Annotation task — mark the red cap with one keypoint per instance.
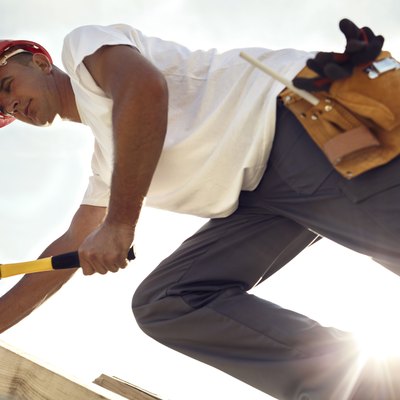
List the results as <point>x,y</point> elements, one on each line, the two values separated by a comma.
<point>26,45</point>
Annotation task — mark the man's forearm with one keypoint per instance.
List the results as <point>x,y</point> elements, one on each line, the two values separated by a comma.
<point>33,289</point>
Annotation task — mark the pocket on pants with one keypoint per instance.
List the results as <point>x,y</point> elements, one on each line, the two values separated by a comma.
<point>295,157</point>
<point>372,182</point>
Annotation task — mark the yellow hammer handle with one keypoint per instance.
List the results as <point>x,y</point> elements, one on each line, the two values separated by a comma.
<point>61,261</point>
<point>27,267</point>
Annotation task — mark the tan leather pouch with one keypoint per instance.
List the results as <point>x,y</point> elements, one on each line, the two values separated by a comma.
<point>357,123</point>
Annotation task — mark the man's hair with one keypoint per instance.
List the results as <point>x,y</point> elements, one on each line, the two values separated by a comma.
<point>22,58</point>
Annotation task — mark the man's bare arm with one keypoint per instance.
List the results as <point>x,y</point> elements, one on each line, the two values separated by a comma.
<point>33,289</point>
<point>140,103</point>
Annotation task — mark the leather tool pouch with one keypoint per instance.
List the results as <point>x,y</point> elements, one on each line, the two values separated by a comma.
<point>357,123</point>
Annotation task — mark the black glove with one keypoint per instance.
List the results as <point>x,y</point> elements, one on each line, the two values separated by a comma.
<point>362,47</point>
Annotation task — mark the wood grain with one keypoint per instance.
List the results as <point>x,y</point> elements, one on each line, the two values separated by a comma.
<point>22,378</point>
<point>126,389</point>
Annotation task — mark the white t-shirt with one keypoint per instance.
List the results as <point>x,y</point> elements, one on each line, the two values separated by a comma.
<point>220,125</point>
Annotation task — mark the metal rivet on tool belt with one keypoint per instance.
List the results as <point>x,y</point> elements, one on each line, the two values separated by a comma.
<point>314,117</point>
<point>288,99</point>
<point>328,108</point>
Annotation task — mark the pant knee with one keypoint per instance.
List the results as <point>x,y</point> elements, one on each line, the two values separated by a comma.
<point>142,308</point>
<point>157,313</point>
<point>163,313</point>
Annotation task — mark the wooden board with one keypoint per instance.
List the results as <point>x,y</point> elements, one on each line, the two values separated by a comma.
<point>22,378</point>
<point>126,389</point>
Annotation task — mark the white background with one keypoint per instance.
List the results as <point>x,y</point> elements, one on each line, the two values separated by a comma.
<point>88,328</point>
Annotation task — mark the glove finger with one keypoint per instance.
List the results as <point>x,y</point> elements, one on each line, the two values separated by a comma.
<point>368,54</point>
<point>318,63</point>
<point>340,58</point>
<point>316,66</point>
<point>366,34</point>
<point>349,29</point>
<point>335,71</point>
<point>355,46</point>
<point>312,84</point>
<point>378,41</point>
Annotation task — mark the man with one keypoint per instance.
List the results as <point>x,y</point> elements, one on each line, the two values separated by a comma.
<point>195,132</point>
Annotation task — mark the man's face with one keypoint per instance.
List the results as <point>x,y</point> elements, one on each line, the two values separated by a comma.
<point>28,91</point>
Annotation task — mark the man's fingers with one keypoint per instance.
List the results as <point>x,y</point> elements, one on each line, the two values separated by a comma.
<point>92,268</point>
<point>101,263</point>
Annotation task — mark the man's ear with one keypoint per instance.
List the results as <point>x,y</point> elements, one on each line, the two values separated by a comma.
<point>39,60</point>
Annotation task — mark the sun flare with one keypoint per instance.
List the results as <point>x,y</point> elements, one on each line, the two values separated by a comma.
<point>380,342</point>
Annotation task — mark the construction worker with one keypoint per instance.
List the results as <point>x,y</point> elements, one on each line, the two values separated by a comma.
<point>202,133</point>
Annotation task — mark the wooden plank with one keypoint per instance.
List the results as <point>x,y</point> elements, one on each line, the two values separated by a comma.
<point>22,378</point>
<point>125,389</point>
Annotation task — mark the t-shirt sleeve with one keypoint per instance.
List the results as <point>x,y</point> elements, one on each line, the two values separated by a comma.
<point>97,192</point>
<point>86,40</point>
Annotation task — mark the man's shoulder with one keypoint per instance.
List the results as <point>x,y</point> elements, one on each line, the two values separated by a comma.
<point>86,39</point>
<point>99,32</point>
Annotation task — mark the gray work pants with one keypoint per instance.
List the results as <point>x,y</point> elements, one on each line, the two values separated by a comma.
<point>196,301</point>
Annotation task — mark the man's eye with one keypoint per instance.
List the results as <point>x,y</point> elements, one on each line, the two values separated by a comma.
<point>7,88</point>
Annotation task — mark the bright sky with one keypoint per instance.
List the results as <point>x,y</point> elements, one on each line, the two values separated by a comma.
<point>88,328</point>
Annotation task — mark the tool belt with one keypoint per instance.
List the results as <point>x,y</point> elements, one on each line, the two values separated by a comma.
<point>357,122</point>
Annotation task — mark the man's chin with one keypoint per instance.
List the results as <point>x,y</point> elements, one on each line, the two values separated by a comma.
<point>42,122</point>
<point>39,124</point>
<point>45,124</point>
